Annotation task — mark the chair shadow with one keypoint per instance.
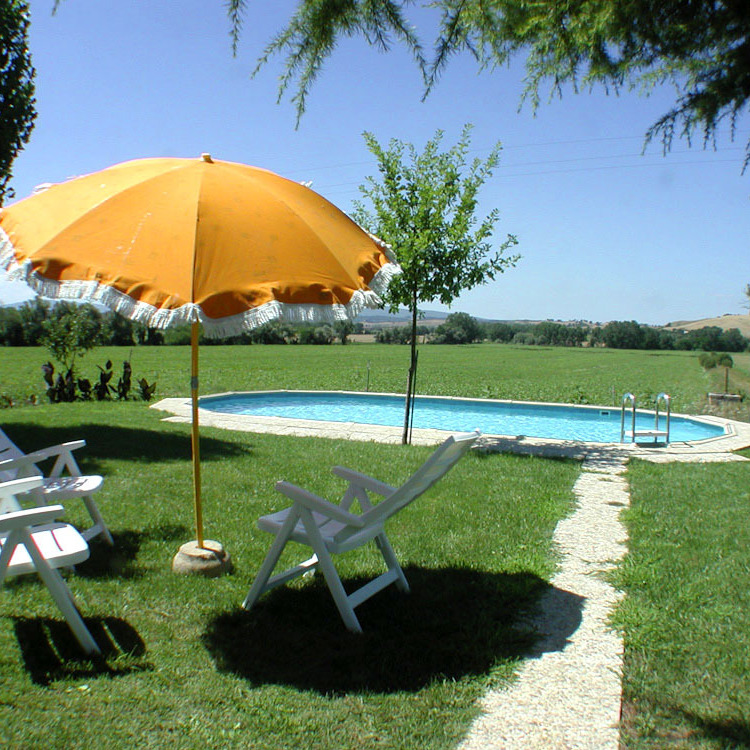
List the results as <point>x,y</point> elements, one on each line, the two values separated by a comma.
<point>728,732</point>
<point>113,442</point>
<point>118,560</point>
<point>50,651</point>
<point>454,623</point>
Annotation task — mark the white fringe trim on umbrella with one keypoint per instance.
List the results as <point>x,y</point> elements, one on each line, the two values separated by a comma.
<point>154,317</point>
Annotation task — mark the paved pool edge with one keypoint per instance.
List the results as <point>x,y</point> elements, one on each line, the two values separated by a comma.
<point>737,438</point>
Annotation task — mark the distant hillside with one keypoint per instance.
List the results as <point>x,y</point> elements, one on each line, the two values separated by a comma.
<point>725,322</point>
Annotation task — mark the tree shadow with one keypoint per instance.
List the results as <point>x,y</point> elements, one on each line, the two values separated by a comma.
<point>454,623</point>
<point>50,651</point>
<point>113,442</point>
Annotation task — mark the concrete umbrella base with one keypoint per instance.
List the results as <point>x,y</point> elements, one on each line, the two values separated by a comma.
<point>211,560</point>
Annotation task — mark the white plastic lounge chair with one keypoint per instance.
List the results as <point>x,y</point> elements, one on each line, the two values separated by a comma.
<point>332,529</point>
<point>31,541</point>
<point>57,487</point>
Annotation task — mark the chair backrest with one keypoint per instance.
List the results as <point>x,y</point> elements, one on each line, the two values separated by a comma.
<point>431,471</point>
<point>8,449</point>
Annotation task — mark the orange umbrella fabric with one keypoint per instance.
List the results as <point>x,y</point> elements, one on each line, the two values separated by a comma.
<point>212,243</point>
<point>167,241</point>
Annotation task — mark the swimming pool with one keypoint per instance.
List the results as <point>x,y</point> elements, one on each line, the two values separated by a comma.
<point>556,421</point>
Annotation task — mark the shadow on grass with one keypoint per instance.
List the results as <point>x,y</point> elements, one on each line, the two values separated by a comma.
<point>50,651</point>
<point>729,732</point>
<point>118,561</point>
<point>112,442</point>
<point>455,623</point>
<point>677,727</point>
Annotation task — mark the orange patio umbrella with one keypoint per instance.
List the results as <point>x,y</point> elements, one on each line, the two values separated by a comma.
<point>217,244</point>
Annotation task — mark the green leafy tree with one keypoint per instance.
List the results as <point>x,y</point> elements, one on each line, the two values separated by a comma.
<point>459,328</point>
<point>343,329</point>
<point>33,314</point>
<point>16,88</point>
<point>424,206</point>
<point>69,332</point>
<point>701,47</point>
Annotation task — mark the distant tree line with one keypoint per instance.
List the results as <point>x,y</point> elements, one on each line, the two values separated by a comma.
<point>461,328</point>
<point>32,323</point>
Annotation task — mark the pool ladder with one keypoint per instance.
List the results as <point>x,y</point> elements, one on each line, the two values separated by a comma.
<point>654,434</point>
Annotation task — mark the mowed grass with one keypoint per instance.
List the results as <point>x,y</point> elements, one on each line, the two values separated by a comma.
<point>593,376</point>
<point>686,613</point>
<point>186,667</point>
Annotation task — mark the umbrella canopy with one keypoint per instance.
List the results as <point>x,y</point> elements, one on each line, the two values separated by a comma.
<point>167,241</point>
<point>213,243</point>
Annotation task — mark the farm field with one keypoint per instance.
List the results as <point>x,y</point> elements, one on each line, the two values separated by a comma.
<point>589,376</point>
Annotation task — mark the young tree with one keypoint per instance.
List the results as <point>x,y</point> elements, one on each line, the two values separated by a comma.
<point>424,206</point>
<point>16,87</point>
<point>701,47</point>
<point>70,331</point>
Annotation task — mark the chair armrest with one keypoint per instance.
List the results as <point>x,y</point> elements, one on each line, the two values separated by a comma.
<point>319,504</point>
<point>32,517</point>
<point>21,462</point>
<point>362,480</point>
<point>63,455</point>
<point>56,450</point>
<point>19,486</point>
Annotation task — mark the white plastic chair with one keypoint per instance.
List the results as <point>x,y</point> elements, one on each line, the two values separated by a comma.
<point>330,529</point>
<point>31,541</point>
<point>58,486</point>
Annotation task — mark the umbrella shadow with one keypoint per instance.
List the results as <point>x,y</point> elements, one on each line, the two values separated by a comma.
<point>50,651</point>
<point>455,623</point>
<point>113,442</point>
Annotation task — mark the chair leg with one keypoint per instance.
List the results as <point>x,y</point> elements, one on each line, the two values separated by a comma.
<point>325,563</point>
<point>274,553</point>
<point>62,596</point>
<point>99,527</point>
<point>382,543</point>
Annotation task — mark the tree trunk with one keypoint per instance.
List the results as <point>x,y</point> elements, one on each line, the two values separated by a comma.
<point>412,372</point>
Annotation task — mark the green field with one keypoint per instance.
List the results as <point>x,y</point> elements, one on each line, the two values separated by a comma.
<point>593,376</point>
<point>186,667</point>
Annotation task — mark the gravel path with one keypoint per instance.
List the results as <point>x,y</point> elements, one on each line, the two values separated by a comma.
<point>568,694</point>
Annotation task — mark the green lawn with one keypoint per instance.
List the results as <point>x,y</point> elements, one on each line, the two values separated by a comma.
<point>686,615</point>
<point>594,376</point>
<point>186,667</point>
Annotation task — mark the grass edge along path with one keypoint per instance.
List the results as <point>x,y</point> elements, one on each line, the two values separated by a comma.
<point>188,668</point>
<point>686,611</point>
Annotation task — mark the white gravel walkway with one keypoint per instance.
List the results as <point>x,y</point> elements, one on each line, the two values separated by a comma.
<point>568,695</point>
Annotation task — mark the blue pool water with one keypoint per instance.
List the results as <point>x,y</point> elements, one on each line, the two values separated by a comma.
<point>589,424</point>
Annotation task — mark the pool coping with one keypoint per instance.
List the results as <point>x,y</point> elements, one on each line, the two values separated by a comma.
<point>737,434</point>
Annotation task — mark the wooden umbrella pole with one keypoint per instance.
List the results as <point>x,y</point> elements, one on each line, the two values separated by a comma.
<point>194,332</point>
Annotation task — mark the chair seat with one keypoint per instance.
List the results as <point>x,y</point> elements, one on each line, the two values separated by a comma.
<point>328,528</point>
<point>60,544</point>
<point>66,488</point>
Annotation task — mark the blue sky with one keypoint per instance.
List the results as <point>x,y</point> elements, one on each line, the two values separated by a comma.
<point>605,231</point>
